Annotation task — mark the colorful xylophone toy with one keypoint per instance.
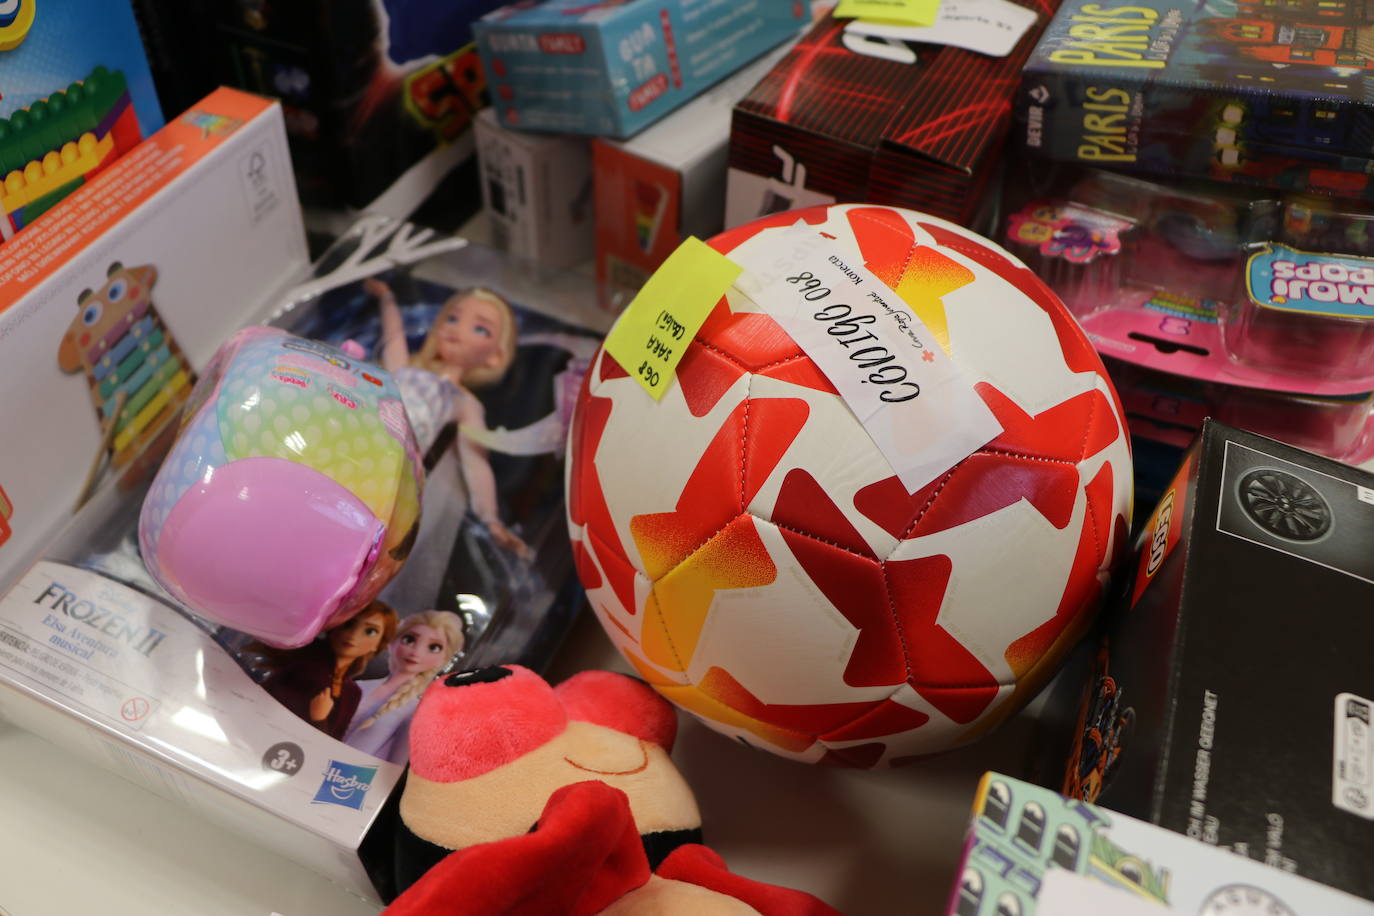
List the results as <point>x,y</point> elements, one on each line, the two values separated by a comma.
<point>137,373</point>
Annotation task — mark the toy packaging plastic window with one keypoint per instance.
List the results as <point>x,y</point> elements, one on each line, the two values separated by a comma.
<point>309,735</point>
<point>1225,303</point>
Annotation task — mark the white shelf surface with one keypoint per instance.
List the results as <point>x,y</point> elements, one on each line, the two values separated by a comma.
<point>78,839</point>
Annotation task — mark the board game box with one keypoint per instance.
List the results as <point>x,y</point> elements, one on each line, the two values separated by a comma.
<point>899,116</point>
<point>1275,93</point>
<point>1032,851</point>
<point>369,87</point>
<point>613,68</point>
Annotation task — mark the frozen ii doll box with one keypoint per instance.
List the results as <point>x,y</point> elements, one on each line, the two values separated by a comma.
<point>298,746</point>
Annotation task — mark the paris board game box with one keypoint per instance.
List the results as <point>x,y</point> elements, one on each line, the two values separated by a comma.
<point>1271,94</point>
<point>1231,699</point>
<point>97,657</point>
<point>901,115</point>
<point>1030,850</point>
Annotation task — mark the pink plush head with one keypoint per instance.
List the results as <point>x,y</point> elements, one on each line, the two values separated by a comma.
<point>622,703</point>
<point>474,722</point>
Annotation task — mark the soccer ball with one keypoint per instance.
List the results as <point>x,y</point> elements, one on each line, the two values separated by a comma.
<point>755,557</point>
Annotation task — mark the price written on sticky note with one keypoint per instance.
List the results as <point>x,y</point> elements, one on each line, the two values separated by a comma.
<point>651,337</point>
<point>905,12</point>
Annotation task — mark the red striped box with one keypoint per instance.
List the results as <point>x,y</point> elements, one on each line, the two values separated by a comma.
<point>833,123</point>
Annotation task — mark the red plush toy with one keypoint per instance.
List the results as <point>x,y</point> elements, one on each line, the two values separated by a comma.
<point>525,798</point>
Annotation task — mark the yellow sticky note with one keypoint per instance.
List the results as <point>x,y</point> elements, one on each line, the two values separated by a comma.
<point>651,336</point>
<point>905,12</point>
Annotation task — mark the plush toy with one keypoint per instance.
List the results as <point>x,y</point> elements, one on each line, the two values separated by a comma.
<point>526,798</point>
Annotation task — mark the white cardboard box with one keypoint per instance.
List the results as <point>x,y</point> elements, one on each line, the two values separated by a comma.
<point>664,184</point>
<point>178,241</point>
<point>132,283</point>
<point>1031,852</point>
<point>537,193</point>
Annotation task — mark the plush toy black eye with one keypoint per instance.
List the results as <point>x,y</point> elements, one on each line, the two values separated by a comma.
<point>477,676</point>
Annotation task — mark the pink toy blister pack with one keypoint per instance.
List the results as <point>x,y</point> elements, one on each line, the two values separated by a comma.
<point>1256,311</point>
<point>1304,313</point>
<point>291,495</point>
<point>1170,408</point>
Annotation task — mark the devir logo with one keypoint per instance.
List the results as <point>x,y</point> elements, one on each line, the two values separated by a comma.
<point>345,784</point>
<point>1159,537</point>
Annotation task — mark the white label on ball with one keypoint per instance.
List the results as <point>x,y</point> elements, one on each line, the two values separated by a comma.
<point>915,402</point>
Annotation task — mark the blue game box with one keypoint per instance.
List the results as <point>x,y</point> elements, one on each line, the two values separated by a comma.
<point>614,67</point>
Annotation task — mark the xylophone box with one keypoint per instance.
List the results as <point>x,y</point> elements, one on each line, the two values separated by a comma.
<point>114,299</point>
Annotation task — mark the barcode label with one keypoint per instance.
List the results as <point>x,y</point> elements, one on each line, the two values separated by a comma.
<point>1352,783</point>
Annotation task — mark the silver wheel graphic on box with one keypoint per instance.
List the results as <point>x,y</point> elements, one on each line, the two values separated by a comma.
<point>1284,505</point>
<point>1243,900</point>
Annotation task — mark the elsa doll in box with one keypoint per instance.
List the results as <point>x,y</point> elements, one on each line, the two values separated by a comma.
<point>470,344</point>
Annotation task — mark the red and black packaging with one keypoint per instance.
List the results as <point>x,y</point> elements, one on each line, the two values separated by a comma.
<point>921,126</point>
<point>369,88</point>
<point>1233,692</point>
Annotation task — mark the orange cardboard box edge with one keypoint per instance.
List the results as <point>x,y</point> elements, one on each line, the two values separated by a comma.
<point>192,136</point>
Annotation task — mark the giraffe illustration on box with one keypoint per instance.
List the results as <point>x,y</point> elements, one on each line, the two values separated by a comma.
<point>137,374</point>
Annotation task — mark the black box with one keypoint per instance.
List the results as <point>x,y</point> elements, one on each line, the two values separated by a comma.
<point>1233,692</point>
<point>369,88</point>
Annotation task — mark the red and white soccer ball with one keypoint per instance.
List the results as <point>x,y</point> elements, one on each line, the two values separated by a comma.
<point>757,561</point>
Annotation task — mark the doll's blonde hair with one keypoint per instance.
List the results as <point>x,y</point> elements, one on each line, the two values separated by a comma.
<point>428,355</point>
<point>447,623</point>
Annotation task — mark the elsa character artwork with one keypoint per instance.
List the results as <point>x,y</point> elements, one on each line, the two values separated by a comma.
<point>470,344</point>
<point>423,644</point>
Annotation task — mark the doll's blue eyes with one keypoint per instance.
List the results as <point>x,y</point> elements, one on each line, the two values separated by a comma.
<point>409,640</point>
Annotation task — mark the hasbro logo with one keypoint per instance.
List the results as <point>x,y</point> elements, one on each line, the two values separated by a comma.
<point>345,784</point>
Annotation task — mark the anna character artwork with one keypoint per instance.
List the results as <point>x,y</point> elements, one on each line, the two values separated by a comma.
<point>316,681</point>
